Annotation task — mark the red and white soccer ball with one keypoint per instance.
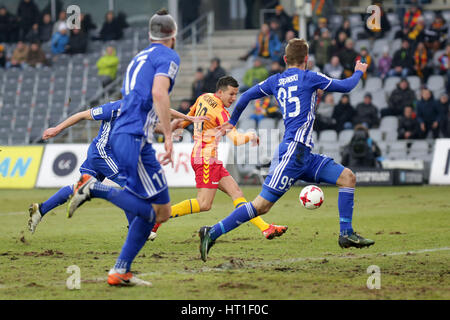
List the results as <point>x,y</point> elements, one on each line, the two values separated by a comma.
<point>311,197</point>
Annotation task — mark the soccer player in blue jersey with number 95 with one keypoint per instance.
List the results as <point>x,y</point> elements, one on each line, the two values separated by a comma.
<point>296,94</point>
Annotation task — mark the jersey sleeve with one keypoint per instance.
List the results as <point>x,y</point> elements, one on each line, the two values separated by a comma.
<point>319,81</point>
<point>105,111</point>
<point>168,66</point>
<point>266,86</point>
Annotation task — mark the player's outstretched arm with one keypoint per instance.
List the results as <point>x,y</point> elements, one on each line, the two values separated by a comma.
<point>178,115</point>
<point>249,95</point>
<point>72,120</point>
<point>350,83</point>
<point>161,102</point>
<point>243,138</point>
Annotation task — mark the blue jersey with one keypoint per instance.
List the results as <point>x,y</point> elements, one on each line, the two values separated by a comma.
<point>106,113</point>
<point>137,115</point>
<point>296,94</point>
<point>100,161</point>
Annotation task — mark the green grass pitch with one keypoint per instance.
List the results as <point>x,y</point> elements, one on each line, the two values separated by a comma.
<point>411,227</point>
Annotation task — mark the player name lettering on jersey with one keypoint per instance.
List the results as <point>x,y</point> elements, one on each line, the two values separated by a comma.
<point>212,103</point>
<point>292,78</point>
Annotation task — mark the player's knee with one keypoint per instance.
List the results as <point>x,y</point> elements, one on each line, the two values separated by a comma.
<point>163,214</point>
<point>349,178</point>
<point>205,205</point>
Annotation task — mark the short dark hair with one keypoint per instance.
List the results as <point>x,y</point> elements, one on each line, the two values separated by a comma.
<point>224,82</point>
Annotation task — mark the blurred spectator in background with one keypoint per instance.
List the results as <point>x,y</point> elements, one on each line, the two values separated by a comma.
<point>215,72</point>
<point>444,65</point>
<point>445,109</point>
<point>333,69</point>
<point>403,61</point>
<point>362,151</point>
<point>7,25</point>
<point>27,14</point>
<point>267,45</point>
<point>77,42</point>
<point>258,111</point>
<point>320,47</point>
<point>436,34</point>
<point>311,64</point>
<point>33,35</point>
<point>46,28</point>
<point>272,110</point>
<point>346,28</point>
<point>184,107</point>
<point>110,29</point>
<point>366,113</point>
<point>428,114</point>
<point>321,25</point>
<point>411,17</point>
<point>289,35</point>
<point>421,60</point>
<point>324,115</point>
<point>59,40</point>
<point>19,56</point>
<point>254,75</point>
<point>87,24</point>
<point>121,21</point>
<point>275,28</point>
<point>60,22</point>
<point>418,32</point>
<point>284,19</point>
<point>107,66</point>
<point>365,57</point>
<point>347,56</point>
<point>2,57</point>
<point>36,56</point>
<point>402,96</point>
<point>275,67</point>
<point>384,64</point>
<point>197,85</point>
<point>445,121</point>
<point>385,25</point>
<point>408,126</point>
<point>339,43</point>
<point>343,114</point>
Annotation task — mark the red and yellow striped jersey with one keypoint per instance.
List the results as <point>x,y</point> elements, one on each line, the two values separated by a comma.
<point>205,144</point>
<point>209,105</point>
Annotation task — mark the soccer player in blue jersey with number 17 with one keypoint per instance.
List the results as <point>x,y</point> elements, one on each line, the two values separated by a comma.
<point>296,93</point>
<point>149,79</point>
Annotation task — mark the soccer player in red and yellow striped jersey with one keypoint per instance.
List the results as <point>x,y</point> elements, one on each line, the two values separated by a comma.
<point>210,174</point>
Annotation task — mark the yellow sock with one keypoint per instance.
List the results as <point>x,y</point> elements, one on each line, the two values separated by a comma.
<point>258,221</point>
<point>185,207</point>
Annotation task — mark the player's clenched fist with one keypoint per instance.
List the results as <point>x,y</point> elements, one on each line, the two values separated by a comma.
<point>361,66</point>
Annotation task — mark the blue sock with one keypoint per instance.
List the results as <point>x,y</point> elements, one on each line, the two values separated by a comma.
<point>55,200</point>
<point>345,206</point>
<point>137,236</point>
<point>124,199</point>
<point>240,215</point>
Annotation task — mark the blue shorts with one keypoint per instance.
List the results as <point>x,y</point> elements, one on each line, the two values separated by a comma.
<point>145,177</point>
<point>294,161</point>
<point>101,167</point>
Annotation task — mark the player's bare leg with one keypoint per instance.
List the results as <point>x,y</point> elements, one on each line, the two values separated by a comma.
<point>229,186</point>
<point>348,238</point>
